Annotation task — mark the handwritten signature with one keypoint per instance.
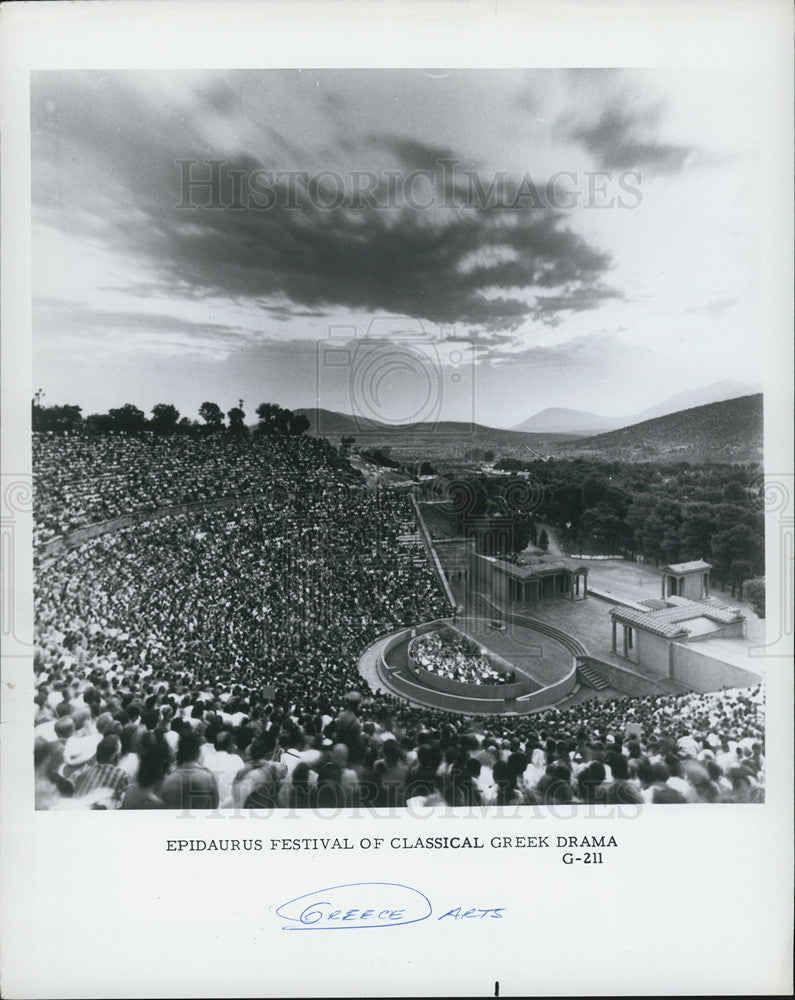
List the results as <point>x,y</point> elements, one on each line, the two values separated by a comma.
<point>369,904</point>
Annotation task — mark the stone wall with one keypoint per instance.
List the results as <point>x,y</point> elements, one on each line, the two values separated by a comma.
<point>549,695</point>
<point>450,686</point>
<point>469,704</point>
<point>695,670</point>
<point>624,679</point>
<point>651,652</point>
<point>432,555</point>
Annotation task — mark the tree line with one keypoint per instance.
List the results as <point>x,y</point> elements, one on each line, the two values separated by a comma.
<point>474,507</point>
<point>666,513</point>
<point>165,420</point>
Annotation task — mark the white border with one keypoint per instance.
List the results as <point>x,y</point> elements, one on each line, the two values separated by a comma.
<point>694,901</point>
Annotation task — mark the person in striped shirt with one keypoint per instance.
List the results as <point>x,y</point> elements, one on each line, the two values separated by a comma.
<point>104,773</point>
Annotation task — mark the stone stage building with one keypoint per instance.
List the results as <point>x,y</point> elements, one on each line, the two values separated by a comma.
<point>699,643</point>
<point>529,581</point>
<point>689,579</point>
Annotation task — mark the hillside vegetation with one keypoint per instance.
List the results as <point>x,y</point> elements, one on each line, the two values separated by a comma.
<point>729,431</point>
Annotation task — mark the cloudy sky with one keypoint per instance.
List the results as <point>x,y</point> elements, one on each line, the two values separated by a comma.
<point>402,244</point>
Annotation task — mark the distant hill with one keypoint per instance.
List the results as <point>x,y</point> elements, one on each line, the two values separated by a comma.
<point>564,421</point>
<point>717,392</point>
<point>728,431</point>
<point>331,422</point>
<point>559,420</point>
<point>476,435</point>
<point>443,438</point>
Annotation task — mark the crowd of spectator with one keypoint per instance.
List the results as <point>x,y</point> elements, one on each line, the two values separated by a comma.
<point>448,654</point>
<point>209,658</point>
<point>221,748</point>
<point>81,479</point>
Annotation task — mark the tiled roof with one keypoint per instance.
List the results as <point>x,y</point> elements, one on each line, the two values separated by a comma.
<point>648,620</point>
<point>687,567</point>
<point>532,568</point>
<point>667,622</point>
<point>710,608</point>
<point>526,571</point>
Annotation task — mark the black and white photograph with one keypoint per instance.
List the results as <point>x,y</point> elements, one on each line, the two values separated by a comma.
<point>481,537</point>
<point>399,445</point>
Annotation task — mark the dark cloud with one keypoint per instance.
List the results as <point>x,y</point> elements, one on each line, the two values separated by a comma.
<point>412,153</point>
<point>622,139</point>
<point>579,354</point>
<point>575,300</point>
<point>115,156</point>
<point>394,262</point>
<point>285,312</point>
<point>285,146</point>
<point>220,97</point>
<point>97,322</point>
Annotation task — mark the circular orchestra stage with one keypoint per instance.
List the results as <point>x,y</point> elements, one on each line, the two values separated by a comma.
<point>538,660</point>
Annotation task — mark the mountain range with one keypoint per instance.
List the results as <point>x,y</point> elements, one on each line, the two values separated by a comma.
<point>730,430</point>
<point>332,424</point>
<point>560,420</point>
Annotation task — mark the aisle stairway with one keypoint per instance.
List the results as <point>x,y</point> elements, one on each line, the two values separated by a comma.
<point>590,677</point>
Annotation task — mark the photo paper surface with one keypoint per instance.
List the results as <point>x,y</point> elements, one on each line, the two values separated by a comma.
<point>397,501</point>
